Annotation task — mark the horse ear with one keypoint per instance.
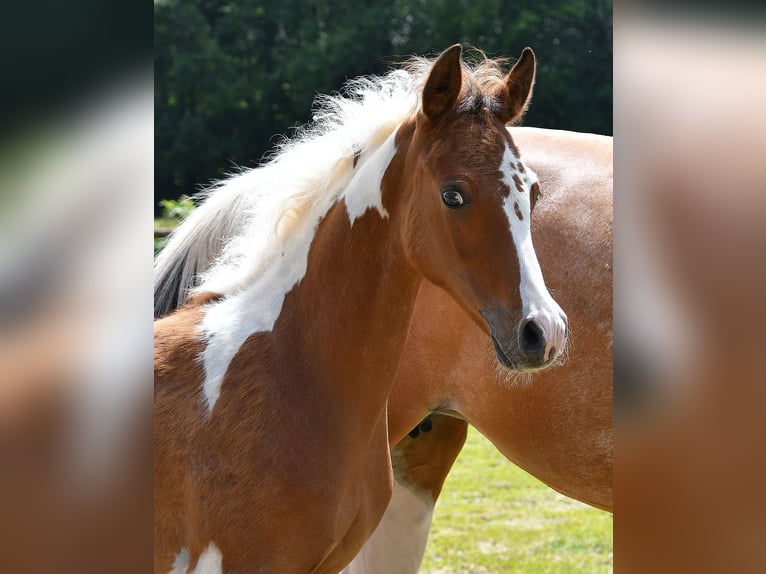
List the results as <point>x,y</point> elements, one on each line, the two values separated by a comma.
<point>444,83</point>
<point>518,84</point>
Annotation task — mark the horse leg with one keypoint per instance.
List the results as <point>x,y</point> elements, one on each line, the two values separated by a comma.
<point>421,462</point>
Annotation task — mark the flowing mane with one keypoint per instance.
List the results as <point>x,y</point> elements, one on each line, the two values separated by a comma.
<point>246,219</point>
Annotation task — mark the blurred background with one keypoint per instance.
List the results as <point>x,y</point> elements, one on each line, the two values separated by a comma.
<point>231,76</point>
<point>76,177</point>
<point>690,279</point>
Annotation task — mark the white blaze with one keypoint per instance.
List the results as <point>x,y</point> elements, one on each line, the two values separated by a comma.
<point>537,304</point>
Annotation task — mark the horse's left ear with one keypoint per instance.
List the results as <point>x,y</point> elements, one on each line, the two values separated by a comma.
<point>444,83</point>
<point>518,87</point>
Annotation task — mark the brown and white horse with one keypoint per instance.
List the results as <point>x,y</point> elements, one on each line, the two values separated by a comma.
<point>558,425</point>
<point>271,383</point>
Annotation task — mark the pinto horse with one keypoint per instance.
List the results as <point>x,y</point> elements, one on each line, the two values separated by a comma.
<point>558,426</point>
<point>271,383</point>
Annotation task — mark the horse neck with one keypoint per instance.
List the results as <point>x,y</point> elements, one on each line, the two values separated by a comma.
<point>333,308</point>
<point>352,309</point>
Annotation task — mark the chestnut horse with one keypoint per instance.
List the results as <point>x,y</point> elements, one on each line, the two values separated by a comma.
<point>271,383</point>
<point>571,452</point>
<point>558,426</point>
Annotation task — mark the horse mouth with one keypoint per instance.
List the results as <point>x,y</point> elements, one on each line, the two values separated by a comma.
<point>509,355</point>
<point>518,363</point>
<point>504,359</point>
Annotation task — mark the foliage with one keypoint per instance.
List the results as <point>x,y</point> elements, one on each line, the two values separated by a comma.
<point>230,76</point>
<point>173,211</point>
<point>493,517</point>
<point>177,208</point>
<point>159,244</point>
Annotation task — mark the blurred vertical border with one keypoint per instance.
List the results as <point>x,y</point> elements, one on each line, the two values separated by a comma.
<point>76,178</point>
<point>690,279</point>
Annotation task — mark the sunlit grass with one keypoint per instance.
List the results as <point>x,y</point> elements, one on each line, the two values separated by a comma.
<point>493,517</point>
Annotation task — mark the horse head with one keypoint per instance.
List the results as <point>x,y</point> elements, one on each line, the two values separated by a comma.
<point>471,199</point>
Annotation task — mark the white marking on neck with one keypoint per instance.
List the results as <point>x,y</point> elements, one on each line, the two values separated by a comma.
<point>364,192</point>
<point>210,562</point>
<point>537,303</point>
<point>228,323</point>
<point>399,542</point>
<point>181,562</point>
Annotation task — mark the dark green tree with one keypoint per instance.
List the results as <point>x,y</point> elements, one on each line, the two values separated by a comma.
<point>232,76</point>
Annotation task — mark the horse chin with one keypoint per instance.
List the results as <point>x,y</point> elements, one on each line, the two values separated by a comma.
<point>513,361</point>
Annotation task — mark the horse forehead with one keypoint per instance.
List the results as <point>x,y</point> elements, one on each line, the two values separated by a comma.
<point>517,177</point>
<point>475,140</point>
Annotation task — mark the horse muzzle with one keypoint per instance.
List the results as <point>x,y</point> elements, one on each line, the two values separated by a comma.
<point>529,344</point>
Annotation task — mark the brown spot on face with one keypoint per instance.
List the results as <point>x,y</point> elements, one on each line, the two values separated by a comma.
<point>512,146</point>
<point>517,181</point>
<point>534,193</point>
<point>518,211</point>
<point>521,167</point>
<point>357,153</point>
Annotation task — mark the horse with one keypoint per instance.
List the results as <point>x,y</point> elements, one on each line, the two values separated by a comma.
<point>271,443</point>
<point>558,426</point>
<point>572,452</point>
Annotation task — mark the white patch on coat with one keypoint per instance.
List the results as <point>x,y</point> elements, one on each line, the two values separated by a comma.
<point>227,324</point>
<point>537,304</point>
<point>210,562</point>
<point>364,192</point>
<point>181,562</point>
<point>399,542</point>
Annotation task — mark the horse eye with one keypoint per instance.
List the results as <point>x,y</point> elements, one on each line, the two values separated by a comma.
<point>454,196</point>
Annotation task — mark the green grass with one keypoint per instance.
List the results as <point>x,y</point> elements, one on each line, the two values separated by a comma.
<point>493,517</point>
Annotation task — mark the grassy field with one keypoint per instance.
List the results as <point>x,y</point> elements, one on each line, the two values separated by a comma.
<point>493,517</point>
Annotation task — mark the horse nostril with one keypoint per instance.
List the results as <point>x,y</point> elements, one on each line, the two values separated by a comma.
<point>552,353</point>
<point>531,341</point>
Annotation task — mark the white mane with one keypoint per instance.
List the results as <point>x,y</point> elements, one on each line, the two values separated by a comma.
<point>246,219</point>
<point>304,173</point>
